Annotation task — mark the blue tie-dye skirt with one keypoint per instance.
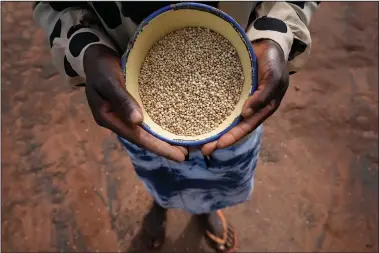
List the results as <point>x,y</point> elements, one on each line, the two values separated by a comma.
<point>200,184</point>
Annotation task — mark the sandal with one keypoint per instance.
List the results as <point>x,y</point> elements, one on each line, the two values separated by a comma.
<point>225,243</point>
<point>154,227</point>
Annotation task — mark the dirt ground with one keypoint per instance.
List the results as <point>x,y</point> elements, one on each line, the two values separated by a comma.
<point>67,185</point>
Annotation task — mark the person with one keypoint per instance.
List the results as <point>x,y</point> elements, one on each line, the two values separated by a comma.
<point>87,40</point>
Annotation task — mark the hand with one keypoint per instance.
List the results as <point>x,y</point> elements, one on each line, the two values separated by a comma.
<point>114,108</point>
<point>273,80</point>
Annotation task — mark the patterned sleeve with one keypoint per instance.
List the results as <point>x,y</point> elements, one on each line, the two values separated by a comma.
<point>71,27</point>
<point>287,24</point>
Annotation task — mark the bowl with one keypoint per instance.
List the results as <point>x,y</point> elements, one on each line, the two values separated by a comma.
<point>174,17</point>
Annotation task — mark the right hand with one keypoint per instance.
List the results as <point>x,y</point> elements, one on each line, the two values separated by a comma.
<point>114,108</point>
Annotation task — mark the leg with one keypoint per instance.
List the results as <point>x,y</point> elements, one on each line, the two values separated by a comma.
<point>145,165</point>
<point>240,159</point>
<point>219,233</point>
<point>154,226</point>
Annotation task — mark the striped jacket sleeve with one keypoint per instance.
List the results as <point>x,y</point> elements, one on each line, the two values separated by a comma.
<point>71,27</point>
<point>287,24</point>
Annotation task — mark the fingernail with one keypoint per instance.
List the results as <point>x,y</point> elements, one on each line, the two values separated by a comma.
<point>136,116</point>
<point>248,112</point>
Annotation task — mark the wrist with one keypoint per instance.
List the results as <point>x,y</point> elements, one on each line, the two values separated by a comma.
<point>265,45</point>
<point>98,54</point>
<point>96,50</point>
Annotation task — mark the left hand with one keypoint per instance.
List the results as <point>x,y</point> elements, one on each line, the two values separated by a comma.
<point>273,80</point>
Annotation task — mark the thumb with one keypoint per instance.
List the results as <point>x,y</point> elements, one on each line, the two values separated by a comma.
<point>260,98</point>
<point>124,104</point>
<point>127,107</point>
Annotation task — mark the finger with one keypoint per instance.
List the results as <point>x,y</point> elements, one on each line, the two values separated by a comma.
<point>245,127</point>
<point>209,148</point>
<point>141,138</point>
<point>108,119</point>
<point>127,107</point>
<point>183,149</point>
<point>96,103</point>
<point>260,98</point>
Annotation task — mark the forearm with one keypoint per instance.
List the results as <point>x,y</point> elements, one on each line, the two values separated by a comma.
<point>286,23</point>
<point>71,29</point>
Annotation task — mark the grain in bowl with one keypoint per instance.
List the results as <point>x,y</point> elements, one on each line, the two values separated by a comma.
<point>190,81</point>
<point>190,67</point>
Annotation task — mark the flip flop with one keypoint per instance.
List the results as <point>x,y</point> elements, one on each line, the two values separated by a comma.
<point>226,243</point>
<point>154,227</point>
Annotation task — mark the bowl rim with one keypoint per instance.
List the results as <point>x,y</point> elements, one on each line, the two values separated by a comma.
<point>245,39</point>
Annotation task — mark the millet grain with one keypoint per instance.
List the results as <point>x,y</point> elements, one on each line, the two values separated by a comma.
<point>190,81</point>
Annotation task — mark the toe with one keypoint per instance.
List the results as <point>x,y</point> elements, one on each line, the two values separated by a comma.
<point>156,244</point>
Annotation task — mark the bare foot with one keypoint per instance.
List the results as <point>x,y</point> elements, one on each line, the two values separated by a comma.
<point>155,227</point>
